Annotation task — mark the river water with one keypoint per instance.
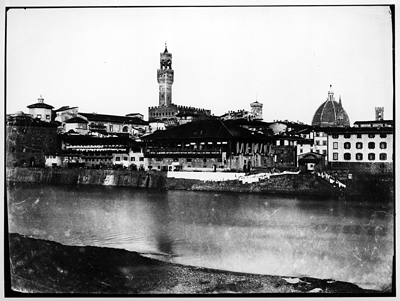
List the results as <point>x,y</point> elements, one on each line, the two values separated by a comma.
<point>265,234</point>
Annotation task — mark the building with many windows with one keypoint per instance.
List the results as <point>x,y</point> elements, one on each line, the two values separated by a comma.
<point>361,149</point>
<point>95,152</point>
<point>207,145</point>
<point>115,124</point>
<point>28,140</point>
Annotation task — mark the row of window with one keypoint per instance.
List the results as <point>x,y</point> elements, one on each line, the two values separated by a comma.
<point>323,142</point>
<point>163,114</point>
<point>37,139</point>
<point>126,158</point>
<point>189,160</point>
<point>124,129</point>
<point>348,136</point>
<point>40,116</point>
<point>359,156</point>
<point>359,145</point>
<point>98,160</point>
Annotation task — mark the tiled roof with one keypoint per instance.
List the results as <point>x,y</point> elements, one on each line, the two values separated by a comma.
<point>40,105</point>
<point>76,120</point>
<point>29,121</point>
<point>205,129</point>
<point>88,140</point>
<point>113,118</point>
<point>374,122</point>
<point>64,108</point>
<point>250,122</point>
<point>328,114</point>
<point>359,130</point>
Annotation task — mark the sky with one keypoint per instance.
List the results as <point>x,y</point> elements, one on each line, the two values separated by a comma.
<point>105,60</point>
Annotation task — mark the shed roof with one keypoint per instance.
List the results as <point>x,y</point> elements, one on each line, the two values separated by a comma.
<point>113,118</point>
<point>205,129</point>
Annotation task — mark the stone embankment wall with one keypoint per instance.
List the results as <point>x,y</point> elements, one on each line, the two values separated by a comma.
<point>378,187</point>
<point>87,177</point>
<point>303,184</point>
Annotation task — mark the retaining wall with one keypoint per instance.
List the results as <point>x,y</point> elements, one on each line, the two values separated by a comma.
<point>304,184</point>
<point>87,177</point>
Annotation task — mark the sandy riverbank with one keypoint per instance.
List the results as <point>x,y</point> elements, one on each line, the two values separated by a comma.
<point>39,266</point>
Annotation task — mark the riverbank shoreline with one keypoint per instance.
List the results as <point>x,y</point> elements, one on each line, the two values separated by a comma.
<point>45,267</point>
<point>375,187</point>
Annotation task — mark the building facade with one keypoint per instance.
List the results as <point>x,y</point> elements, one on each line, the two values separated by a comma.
<point>28,140</point>
<point>206,145</point>
<point>98,153</point>
<point>76,124</point>
<point>255,113</point>
<point>114,124</point>
<point>361,149</point>
<point>41,110</point>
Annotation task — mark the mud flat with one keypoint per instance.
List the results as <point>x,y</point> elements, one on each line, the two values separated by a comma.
<point>40,267</point>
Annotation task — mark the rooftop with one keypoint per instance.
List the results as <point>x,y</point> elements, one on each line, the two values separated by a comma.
<point>89,140</point>
<point>113,118</point>
<point>76,120</point>
<point>205,129</point>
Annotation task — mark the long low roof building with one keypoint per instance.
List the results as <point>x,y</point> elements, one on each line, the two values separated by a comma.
<point>205,129</point>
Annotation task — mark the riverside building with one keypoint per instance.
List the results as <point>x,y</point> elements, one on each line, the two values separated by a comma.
<point>206,145</point>
<point>361,149</point>
<point>28,140</point>
<point>95,152</point>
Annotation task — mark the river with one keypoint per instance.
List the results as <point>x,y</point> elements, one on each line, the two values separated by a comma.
<point>264,234</point>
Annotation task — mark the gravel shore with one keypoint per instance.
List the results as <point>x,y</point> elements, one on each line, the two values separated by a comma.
<point>39,266</point>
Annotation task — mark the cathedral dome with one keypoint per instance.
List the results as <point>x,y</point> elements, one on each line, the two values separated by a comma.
<point>331,113</point>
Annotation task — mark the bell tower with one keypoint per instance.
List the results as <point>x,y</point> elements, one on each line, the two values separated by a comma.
<point>379,113</point>
<point>165,78</point>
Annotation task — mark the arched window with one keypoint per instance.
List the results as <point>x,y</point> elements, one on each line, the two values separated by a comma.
<point>125,129</point>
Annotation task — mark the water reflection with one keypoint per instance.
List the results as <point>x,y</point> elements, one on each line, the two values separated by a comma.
<point>292,236</point>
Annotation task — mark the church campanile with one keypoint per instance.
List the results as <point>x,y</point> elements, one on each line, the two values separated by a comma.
<point>165,78</point>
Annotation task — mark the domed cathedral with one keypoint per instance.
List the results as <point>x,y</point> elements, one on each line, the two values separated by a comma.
<point>331,113</point>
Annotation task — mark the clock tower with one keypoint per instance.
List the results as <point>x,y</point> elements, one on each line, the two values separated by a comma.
<point>165,78</point>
